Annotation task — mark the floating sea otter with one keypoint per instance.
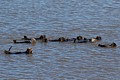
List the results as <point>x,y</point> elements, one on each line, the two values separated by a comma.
<point>28,51</point>
<point>80,39</point>
<point>39,38</point>
<point>42,38</point>
<point>26,38</point>
<point>97,38</point>
<point>61,39</point>
<point>112,45</point>
<point>32,41</point>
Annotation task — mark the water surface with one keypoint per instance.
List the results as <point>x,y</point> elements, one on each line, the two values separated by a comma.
<point>56,18</point>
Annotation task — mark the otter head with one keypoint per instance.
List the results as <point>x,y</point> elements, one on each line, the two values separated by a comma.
<point>14,41</point>
<point>25,37</point>
<point>113,44</point>
<point>61,39</point>
<point>29,50</point>
<point>42,37</point>
<point>79,38</point>
<point>33,41</point>
<point>98,38</point>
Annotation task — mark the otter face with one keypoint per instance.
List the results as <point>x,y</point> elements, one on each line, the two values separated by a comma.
<point>33,41</point>
<point>62,39</point>
<point>42,37</point>
<point>79,37</point>
<point>93,40</point>
<point>98,38</point>
<point>29,50</point>
<point>113,44</point>
<point>25,37</point>
<point>7,52</point>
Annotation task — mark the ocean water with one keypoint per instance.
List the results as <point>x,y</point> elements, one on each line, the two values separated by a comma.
<point>60,18</point>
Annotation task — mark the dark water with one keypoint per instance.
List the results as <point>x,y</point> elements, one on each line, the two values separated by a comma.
<point>56,18</point>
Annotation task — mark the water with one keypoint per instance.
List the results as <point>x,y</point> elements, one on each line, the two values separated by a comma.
<point>56,18</point>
